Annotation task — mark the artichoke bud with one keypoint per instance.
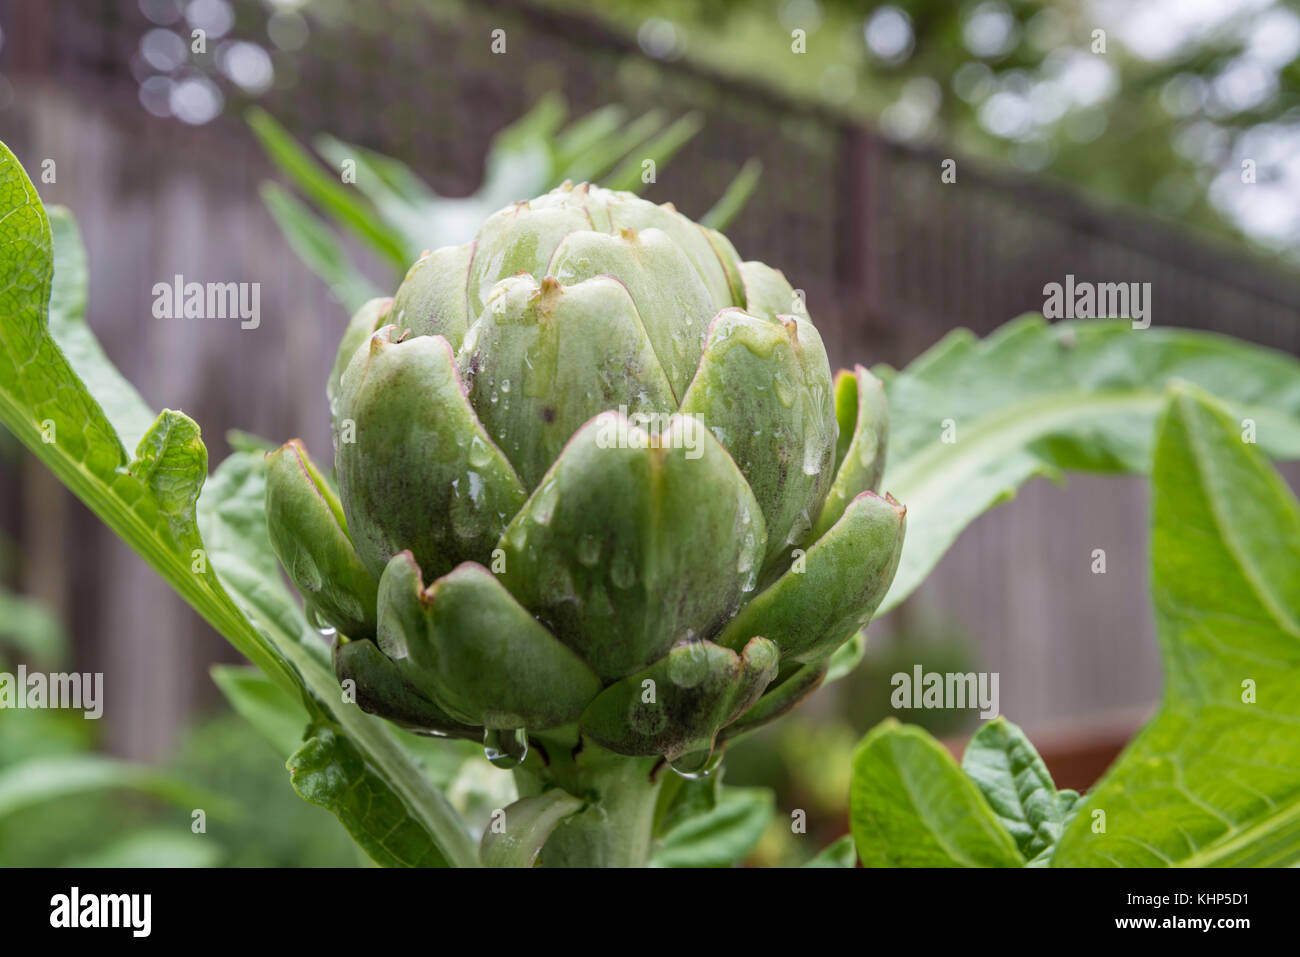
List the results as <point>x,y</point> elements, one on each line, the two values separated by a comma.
<point>597,480</point>
<point>310,536</point>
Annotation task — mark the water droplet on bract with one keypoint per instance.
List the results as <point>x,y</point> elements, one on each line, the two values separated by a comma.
<point>802,525</point>
<point>505,385</point>
<point>746,560</point>
<point>306,573</point>
<point>813,455</point>
<point>697,764</point>
<point>479,453</point>
<point>543,506</point>
<point>505,748</point>
<point>783,390</point>
<point>688,662</point>
<point>622,572</point>
<point>470,343</point>
<point>589,550</point>
<point>556,584</point>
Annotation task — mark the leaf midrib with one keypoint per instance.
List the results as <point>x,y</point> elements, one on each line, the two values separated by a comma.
<point>1007,429</point>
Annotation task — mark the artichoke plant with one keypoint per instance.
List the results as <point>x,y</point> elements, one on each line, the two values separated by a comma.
<point>599,504</point>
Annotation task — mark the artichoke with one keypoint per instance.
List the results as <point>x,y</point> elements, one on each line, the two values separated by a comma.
<point>599,502</point>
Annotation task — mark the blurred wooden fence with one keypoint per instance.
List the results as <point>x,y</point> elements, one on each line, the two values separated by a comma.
<point>890,258</point>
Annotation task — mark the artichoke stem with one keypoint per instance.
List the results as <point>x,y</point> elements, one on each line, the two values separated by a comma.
<point>616,827</point>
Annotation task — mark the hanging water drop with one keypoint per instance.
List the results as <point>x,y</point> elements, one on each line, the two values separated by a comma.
<point>696,764</point>
<point>505,748</point>
<point>323,627</point>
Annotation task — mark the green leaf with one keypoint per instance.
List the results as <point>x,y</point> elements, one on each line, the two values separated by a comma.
<point>326,189</point>
<point>316,246</point>
<point>587,133</point>
<point>1016,783</point>
<point>1034,399</point>
<point>155,847</point>
<point>1214,778</point>
<point>660,148</point>
<point>32,628</point>
<point>329,772</point>
<point>37,781</point>
<point>841,853</point>
<point>683,798</point>
<point>399,178</point>
<point>911,806</point>
<point>234,519</point>
<point>846,657</point>
<point>721,837</point>
<point>375,174</point>
<point>527,824</point>
<point>518,163</point>
<point>129,413</point>
<point>278,717</point>
<point>736,195</point>
<point>149,500</point>
<point>594,162</point>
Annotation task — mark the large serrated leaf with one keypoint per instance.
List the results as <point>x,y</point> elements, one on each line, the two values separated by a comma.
<point>329,772</point>
<point>234,519</point>
<point>149,500</point>
<point>1214,778</point>
<point>1034,399</point>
